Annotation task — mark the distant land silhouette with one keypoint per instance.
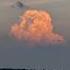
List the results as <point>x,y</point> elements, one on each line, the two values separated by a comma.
<point>16,69</point>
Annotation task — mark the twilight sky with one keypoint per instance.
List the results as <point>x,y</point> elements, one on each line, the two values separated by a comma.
<point>17,54</point>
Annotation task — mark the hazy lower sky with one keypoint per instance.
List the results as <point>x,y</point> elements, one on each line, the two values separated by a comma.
<point>17,54</point>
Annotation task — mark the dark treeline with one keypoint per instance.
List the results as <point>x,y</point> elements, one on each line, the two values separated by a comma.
<point>14,69</point>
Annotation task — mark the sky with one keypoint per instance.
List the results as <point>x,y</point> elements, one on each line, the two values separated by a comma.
<point>40,1</point>
<point>18,54</point>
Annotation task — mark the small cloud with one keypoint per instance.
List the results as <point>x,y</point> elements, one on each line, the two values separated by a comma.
<point>40,29</point>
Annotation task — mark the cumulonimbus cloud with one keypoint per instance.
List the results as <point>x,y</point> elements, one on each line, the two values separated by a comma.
<point>36,26</point>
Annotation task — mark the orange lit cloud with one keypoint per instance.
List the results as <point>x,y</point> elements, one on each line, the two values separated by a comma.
<point>36,26</point>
